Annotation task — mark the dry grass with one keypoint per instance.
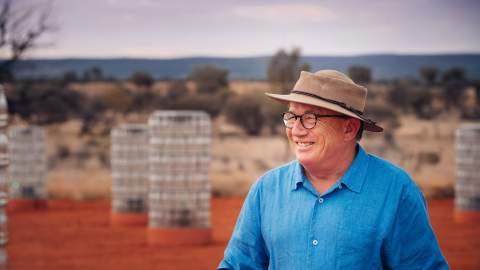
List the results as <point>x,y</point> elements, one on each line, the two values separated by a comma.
<point>79,184</point>
<point>424,148</point>
<point>238,161</point>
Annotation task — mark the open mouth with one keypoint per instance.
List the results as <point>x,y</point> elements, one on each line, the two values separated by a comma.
<point>303,144</point>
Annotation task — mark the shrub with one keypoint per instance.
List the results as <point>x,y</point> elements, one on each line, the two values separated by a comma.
<point>176,90</point>
<point>209,79</point>
<point>212,104</point>
<point>145,102</point>
<point>360,74</point>
<point>272,114</point>
<point>45,103</point>
<point>422,105</point>
<point>118,99</point>
<point>429,74</point>
<point>399,97</point>
<point>63,151</point>
<point>246,111</point>
<point>142,79</point>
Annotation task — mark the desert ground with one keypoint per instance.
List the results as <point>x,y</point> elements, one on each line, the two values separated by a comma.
<point>78,235</point>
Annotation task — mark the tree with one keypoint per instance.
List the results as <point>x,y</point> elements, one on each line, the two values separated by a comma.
<point>175,91</point>
<point>271,112</point>
<point>360,74</point>
<point>400,96</point>
<point>209,79</point>
<point>47,103</point>
<point>94,73</point>
<point>454,75</point>
<point>69,77</point>
<point>429,74</point>
<point>246,111</point>
<point>455,83</point>
<point>284,68</point>
<point>212,90</point>
<point>142,79</point>
<point>20,30</point>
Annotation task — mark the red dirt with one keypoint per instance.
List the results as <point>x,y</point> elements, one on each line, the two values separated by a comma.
<point>71,235</point>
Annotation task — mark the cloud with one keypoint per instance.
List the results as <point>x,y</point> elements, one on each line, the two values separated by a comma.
<point>287,13</point>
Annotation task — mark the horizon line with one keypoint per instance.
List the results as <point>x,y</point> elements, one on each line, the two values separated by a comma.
<point>247,56</point>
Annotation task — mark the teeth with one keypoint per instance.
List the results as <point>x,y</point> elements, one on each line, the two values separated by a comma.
<point>304,144</point>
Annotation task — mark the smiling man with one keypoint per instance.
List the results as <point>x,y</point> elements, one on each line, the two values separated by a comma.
<point>336,206</point>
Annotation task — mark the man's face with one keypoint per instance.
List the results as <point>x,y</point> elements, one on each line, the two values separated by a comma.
<point>320,144</point>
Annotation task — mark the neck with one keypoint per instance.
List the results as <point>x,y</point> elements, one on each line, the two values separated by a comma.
<point>324,175</point>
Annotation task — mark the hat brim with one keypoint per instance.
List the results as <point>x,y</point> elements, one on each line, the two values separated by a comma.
<point>369,125</point>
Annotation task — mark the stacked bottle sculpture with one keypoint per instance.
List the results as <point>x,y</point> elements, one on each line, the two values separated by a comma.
<point>27,171</point>
<point>129,161</point>
<point>3,178</point>
<point>179,194</point>
<point>467,186</point>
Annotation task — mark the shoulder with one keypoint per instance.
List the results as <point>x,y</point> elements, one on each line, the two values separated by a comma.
<point>391,177</point>
<point>280,176</point>
<point>379,167</point>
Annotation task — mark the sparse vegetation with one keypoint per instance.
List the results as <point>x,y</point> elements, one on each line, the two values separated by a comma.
<point>429,74</point>
<point>360,74</point>
<point>284,68</point>
<point>90,109</point>
<point>142,79</point>
<point>246,111</point>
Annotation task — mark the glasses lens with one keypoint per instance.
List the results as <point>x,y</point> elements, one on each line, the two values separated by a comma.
<point>309,120</point>
<point>289,119</point>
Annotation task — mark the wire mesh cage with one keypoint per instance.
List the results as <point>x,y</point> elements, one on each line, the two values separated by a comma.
<point>3,148</point>
<point>4,161</point>
<point>129,162</point>
<point>27,171</point>
<point>179,195</point>
<point>467,186</point>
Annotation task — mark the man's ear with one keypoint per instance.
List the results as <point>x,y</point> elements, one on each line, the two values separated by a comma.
<point>351,128</point>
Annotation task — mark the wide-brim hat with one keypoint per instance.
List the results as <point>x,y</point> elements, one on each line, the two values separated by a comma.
<point>332,90</point>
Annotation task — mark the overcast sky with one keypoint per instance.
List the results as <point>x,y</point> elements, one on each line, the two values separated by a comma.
<point>179,28</point>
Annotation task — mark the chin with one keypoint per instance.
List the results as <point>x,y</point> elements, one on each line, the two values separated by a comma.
<point>305,160</point>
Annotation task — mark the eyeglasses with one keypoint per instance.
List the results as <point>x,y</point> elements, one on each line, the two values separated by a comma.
<point>308,120</point>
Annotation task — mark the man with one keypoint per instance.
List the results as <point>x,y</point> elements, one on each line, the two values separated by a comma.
<point>335,206</point>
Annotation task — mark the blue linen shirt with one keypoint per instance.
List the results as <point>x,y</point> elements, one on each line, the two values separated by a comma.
<point>374,217</point>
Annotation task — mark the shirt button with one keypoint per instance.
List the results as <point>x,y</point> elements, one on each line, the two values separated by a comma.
<point>340,187</point>
<point>315,242</point>
<point>320,200</point>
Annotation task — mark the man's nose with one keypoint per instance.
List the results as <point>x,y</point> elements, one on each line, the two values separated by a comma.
<point>298,129</point>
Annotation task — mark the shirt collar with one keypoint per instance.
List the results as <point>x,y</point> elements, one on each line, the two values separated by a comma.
<point>298,176</point>
<point>353,179</point>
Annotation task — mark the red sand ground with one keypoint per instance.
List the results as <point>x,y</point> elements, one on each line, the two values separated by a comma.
<point>79,236</point>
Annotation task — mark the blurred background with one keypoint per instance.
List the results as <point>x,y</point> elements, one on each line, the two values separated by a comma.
<point>81,68</point>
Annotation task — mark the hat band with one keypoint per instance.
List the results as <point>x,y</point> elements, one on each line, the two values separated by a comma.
<point>341,104</point>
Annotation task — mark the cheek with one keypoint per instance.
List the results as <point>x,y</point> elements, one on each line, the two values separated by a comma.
<point>288,131</point>
<point>331,132</point>
<point>326,135</point>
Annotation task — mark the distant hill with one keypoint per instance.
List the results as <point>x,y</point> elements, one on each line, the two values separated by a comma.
<point>384,66</point>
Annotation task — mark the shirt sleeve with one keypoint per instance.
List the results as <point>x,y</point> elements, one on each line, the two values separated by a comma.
<point>246,248</point>
<point>412,243</point>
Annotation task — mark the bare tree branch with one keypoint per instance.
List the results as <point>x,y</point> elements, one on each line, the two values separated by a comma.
<point>4,16</point>
<point>20,31</point>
